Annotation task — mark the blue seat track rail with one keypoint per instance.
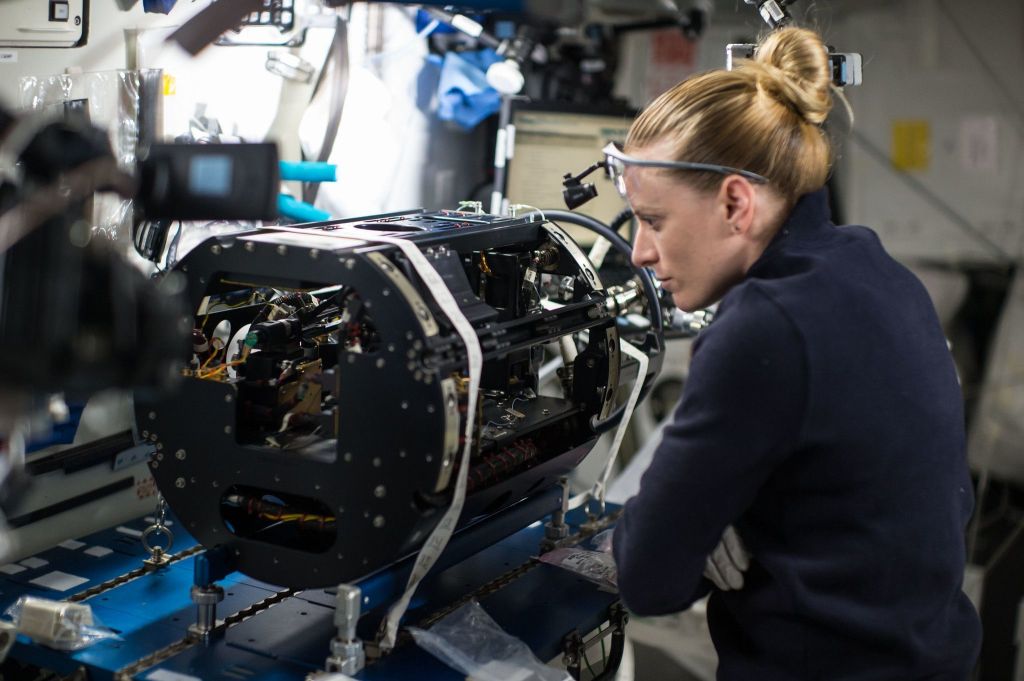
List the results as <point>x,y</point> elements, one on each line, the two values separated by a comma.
<point>279,634</point>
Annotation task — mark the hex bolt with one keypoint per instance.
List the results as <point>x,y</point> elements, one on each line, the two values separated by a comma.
<point>206,599</point>
<point>347,654</point>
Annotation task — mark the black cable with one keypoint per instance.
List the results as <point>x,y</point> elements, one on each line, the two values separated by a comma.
<point>654,346</point>
<point>621,219</point>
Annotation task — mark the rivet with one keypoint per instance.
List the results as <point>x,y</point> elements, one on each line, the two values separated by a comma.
<point>152,415</point>
<point>215,484</point>
<point>405,404</point>
<point>250,246</point>
<point>380,362</point>
<point>159,456</point>
<point>351,358</point>
<point>179,483</point>
<point>180,455</point>
<point>380,491</point>
<point>145,435</point>
<point>314,254</point>
<point>430,409</point>
<point>282,249</point>
<point>350,264</point>
<point>228,398</point>
<point>153,437</point>
<point>227,430</point>
<point>347,457</point>
<point>401,454</point>
<point>376,462</point>
<point>385,292</point>
<point>215,249</point>
<point>378,521</point>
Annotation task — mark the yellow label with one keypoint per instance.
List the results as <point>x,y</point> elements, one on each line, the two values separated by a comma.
<point>170,85</point>
<point>911,145</point>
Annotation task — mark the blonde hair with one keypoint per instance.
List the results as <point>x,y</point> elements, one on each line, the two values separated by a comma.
<point>764,116</point>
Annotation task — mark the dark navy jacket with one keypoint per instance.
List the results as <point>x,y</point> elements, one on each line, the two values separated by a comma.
<point>822,417</point>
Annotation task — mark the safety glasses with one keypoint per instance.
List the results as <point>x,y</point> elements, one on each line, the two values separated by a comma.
<point>616,161</point>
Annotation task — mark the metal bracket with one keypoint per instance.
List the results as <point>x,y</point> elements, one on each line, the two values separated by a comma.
<point>574,648</point>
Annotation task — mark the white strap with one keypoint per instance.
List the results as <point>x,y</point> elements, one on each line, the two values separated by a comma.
<point>439,537</point>
<point>601,486</point>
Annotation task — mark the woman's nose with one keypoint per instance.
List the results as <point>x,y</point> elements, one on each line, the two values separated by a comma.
<point>644,253</point>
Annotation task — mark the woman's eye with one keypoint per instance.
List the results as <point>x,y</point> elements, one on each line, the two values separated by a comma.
<point>651,221</point>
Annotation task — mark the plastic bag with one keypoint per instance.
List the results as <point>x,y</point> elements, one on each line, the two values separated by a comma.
<point>471,642</point>
<point>602,541</point>
<point>57,624</point>
<point>595,566</point>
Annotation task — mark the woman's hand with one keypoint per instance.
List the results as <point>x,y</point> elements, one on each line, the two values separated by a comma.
<point>727,563</point>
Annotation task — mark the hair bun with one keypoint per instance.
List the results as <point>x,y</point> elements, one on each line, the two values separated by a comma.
<point>791,66</point>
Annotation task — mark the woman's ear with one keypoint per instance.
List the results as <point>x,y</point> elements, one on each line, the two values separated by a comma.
<point>736,198</point>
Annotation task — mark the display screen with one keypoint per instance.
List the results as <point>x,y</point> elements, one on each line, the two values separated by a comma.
<point>210,175</point>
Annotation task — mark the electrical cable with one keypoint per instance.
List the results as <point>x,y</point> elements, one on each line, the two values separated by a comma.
<point>337,54</point>
<point>620,245</point>
<point>653,305</point>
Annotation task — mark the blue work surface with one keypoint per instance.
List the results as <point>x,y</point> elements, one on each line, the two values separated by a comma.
<point>290,639</point>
